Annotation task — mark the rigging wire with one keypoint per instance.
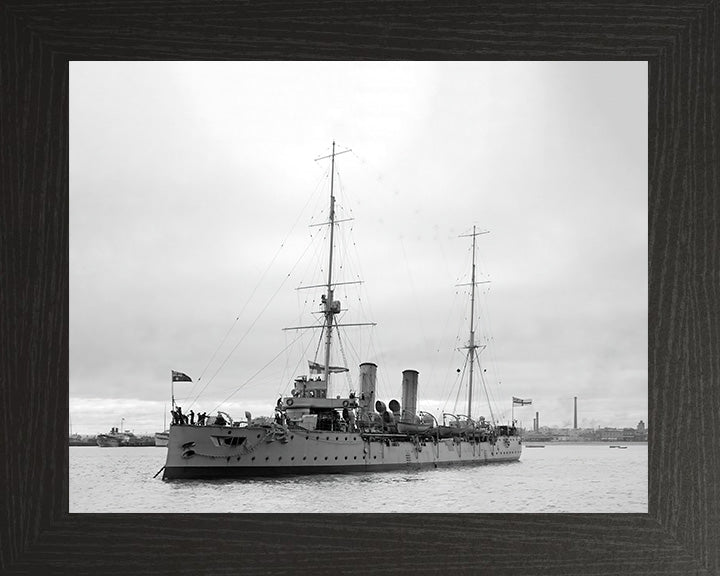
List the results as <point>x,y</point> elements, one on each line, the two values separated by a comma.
<point>458,383</point>
<point>482,378</point>
<point>317,350</point>
<point>251,326</point>
<point>342,353</point>
<point>254,290</point>
<point>257,372</point>
<point>297,366</point>
<point>457,344</point>
<point>354,262</point>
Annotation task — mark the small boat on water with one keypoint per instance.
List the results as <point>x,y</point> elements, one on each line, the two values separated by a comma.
<point>534,445</point>
<point>315,429</point>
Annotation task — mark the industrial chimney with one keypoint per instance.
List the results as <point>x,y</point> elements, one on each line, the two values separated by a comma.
<point>575,415</point>
<point>537,421</point>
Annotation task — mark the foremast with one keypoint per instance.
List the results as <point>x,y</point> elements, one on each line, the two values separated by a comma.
<point>330,306</point>
<point>330,310</point>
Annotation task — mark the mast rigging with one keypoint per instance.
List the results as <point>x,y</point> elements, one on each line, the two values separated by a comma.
<point>472,347</point>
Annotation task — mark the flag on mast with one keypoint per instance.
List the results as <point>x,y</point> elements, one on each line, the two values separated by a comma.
<point>317,368</point>
<point>521,401</point>
<point>180,377</point>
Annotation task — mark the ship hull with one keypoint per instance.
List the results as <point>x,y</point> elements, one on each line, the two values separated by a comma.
<point>106,441</point>
<point>224,452</point>
<point>162,438</point>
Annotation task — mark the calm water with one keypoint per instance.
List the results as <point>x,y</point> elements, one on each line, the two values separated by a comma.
<point>557,478</point>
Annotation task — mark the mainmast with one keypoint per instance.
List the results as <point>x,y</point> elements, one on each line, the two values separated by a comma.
<point>471,347</point>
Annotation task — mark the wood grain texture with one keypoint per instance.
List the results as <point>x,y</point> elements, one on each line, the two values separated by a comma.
<point>681,533</point>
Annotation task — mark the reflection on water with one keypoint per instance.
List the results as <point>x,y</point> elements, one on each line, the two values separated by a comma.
<point>557,478</point>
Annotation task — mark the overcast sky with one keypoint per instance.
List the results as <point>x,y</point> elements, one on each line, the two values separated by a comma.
<point>193,185</point>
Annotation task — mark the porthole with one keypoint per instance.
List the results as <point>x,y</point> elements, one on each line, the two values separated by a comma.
<point>345,458</point>
<point>354,457</point>
<point>336,438</point>
<point>374,457</point>
<point>267,458</point>
<point>315,458</point>
<point>258,435</point>
<point>292,437</point>
<point>335,457</point>
<point>326,457</point>
<point>304,458</point>
<point>253,458</point>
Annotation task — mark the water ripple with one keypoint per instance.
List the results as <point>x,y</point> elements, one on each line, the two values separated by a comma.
<point>559,478</point>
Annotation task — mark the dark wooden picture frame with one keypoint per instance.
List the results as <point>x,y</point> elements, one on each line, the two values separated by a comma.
<point>680,534</point>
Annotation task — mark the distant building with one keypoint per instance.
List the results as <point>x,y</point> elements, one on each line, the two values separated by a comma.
<point>607,434</point>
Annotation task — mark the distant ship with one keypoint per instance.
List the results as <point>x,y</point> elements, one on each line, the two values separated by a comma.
<point>312,432</point>
<point>162,438</point>
<point>115,438</point>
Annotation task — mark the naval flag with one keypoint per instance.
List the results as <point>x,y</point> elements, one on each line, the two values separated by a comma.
<point>521,402</point>
<point>180,377</point>
<point>316,368</point>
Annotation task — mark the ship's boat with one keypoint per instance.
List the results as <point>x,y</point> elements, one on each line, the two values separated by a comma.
<point>456,425</point>
<point>423,424</point>
<point>313,431</point>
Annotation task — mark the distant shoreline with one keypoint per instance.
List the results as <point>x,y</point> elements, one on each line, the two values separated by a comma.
<point>599,442</point>
<point>525,441</point>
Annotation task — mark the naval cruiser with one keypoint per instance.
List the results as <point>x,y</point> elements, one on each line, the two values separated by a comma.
<point>313,432</point>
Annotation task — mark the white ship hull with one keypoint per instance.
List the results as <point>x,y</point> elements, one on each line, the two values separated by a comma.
<point>162,438</point>
<point>222,452</point>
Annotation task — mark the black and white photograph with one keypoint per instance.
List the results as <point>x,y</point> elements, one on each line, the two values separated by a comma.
<point>358,287</point>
